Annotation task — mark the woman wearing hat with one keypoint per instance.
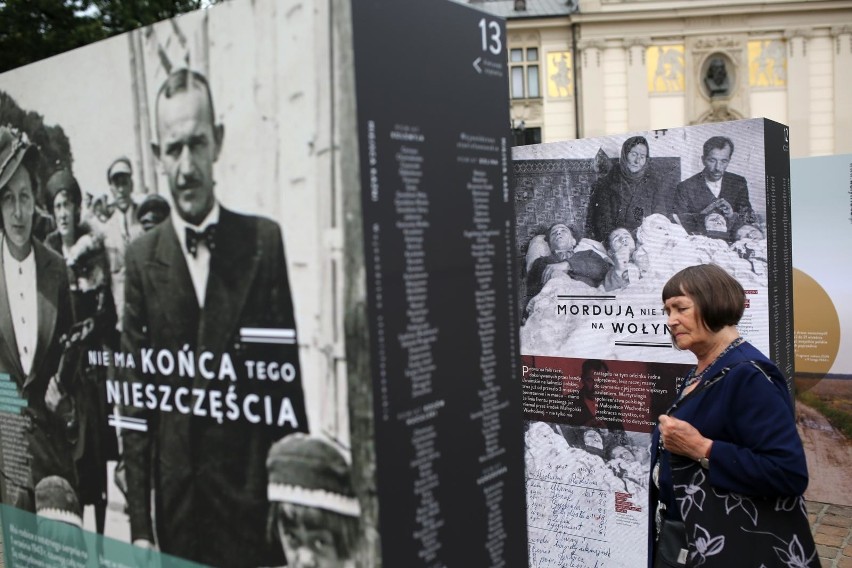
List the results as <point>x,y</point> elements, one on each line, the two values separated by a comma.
<point>35,312</point>
<point>93,311</point>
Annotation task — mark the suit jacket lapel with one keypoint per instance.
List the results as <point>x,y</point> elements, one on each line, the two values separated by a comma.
<point>7,330</point>
<point>48,300</point>
<point>232,270</point>
<point>175,293</point>
<point>728,187</point>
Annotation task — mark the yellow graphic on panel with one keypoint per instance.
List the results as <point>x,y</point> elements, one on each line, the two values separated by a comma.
<point>665,64</point>
<point>817,329</point>
<point>560,74</point>
<point>767,63</point>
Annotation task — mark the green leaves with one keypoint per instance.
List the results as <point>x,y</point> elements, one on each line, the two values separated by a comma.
<point>34,29</point>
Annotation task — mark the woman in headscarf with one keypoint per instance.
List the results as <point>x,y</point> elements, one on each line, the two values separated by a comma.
<point>94,314</point>
<point>626,195</point>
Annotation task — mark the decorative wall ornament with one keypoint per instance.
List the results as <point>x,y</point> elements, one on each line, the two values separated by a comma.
<point>798,33</point>
<point>636,42</point>
<point>530,111</point>
<point>666,69</point>
<point>767,63</point>
<point>718,76</point>
<point>560,74</point>
<point>719,112</point>
<point>718,43</point>
<point>836,32</point>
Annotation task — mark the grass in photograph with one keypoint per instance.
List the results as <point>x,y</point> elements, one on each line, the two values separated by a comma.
<point>835,411</point>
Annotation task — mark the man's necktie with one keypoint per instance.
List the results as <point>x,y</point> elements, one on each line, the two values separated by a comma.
<point>207,236</point>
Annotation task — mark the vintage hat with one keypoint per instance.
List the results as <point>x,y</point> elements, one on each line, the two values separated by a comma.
<point>309,471</point>
<point>55,499</point>
<point>153,202</point>
<point>119,166</point>
<point>14,149</point>
<point>62,180</point>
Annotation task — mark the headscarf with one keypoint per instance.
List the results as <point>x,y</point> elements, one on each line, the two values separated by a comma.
<point>628,145</point>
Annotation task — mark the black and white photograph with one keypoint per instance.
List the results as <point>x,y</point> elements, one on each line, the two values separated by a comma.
<point>602,224</point>
<point>628,212</point>
<point>255,311</point>
<point>168,328</point>
<point>587,493</point>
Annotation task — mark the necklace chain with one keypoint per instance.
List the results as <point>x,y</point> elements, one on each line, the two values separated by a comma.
<point>694,377</point>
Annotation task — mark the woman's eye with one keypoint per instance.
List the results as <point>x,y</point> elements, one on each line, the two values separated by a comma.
<point>321,544</point>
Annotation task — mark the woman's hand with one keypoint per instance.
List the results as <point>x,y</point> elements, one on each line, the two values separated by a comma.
<point>681,438</point>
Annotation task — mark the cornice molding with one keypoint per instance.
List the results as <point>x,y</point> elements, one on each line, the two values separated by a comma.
<point>716,43</point>
<point>584,44</point>
<point>804,33</point>
<point>629,42</point>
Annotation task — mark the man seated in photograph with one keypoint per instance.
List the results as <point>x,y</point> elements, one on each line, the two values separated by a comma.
<point>713,189</point>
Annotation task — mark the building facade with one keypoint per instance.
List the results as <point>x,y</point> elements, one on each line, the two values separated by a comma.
<point>598,67</point>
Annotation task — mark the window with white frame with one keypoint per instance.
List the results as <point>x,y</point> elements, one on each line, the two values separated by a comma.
<point>524,72</point>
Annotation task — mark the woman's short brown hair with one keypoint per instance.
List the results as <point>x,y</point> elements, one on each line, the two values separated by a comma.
<point>720,299</point>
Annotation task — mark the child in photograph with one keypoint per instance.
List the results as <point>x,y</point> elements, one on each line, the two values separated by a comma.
<point>314,514</point>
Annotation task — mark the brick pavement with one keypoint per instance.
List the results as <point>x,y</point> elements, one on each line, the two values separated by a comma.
<point>831,525</point>
<point>832,529</point>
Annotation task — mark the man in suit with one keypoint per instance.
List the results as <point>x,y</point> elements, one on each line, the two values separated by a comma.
<point>210,284</point>
<point>35,312</point>
<point>713,190</point>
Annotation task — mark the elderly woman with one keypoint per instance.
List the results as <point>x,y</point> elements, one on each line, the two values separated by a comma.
<point>627,194</point>
<point>35,312</point>
<point>93,310</point>
<point>729,469</point>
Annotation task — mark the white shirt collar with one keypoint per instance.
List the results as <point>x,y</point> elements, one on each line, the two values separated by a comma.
<point>714,186</point>
<point>10,260</point>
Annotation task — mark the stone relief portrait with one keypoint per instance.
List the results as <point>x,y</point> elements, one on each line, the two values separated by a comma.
<point>718,76</point>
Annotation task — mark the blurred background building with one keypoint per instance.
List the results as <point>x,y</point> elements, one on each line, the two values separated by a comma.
<point>595,67</point>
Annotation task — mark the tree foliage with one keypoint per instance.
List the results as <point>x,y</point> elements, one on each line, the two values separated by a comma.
<point>119,16</point>
<point>34,29</point>
<point>52,142</point>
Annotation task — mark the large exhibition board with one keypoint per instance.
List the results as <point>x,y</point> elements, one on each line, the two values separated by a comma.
<point>602,223</point>
<point>267,250</point>
<point>822,231</point>
<point>439,245</point>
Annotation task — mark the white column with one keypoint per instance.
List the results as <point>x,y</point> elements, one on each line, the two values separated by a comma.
<point>592,92</point>
<point>842,37</point>
<point>638,105</point>
<point>798,92</point>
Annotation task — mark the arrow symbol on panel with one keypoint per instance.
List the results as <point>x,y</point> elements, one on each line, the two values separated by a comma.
<point>476,66</point>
